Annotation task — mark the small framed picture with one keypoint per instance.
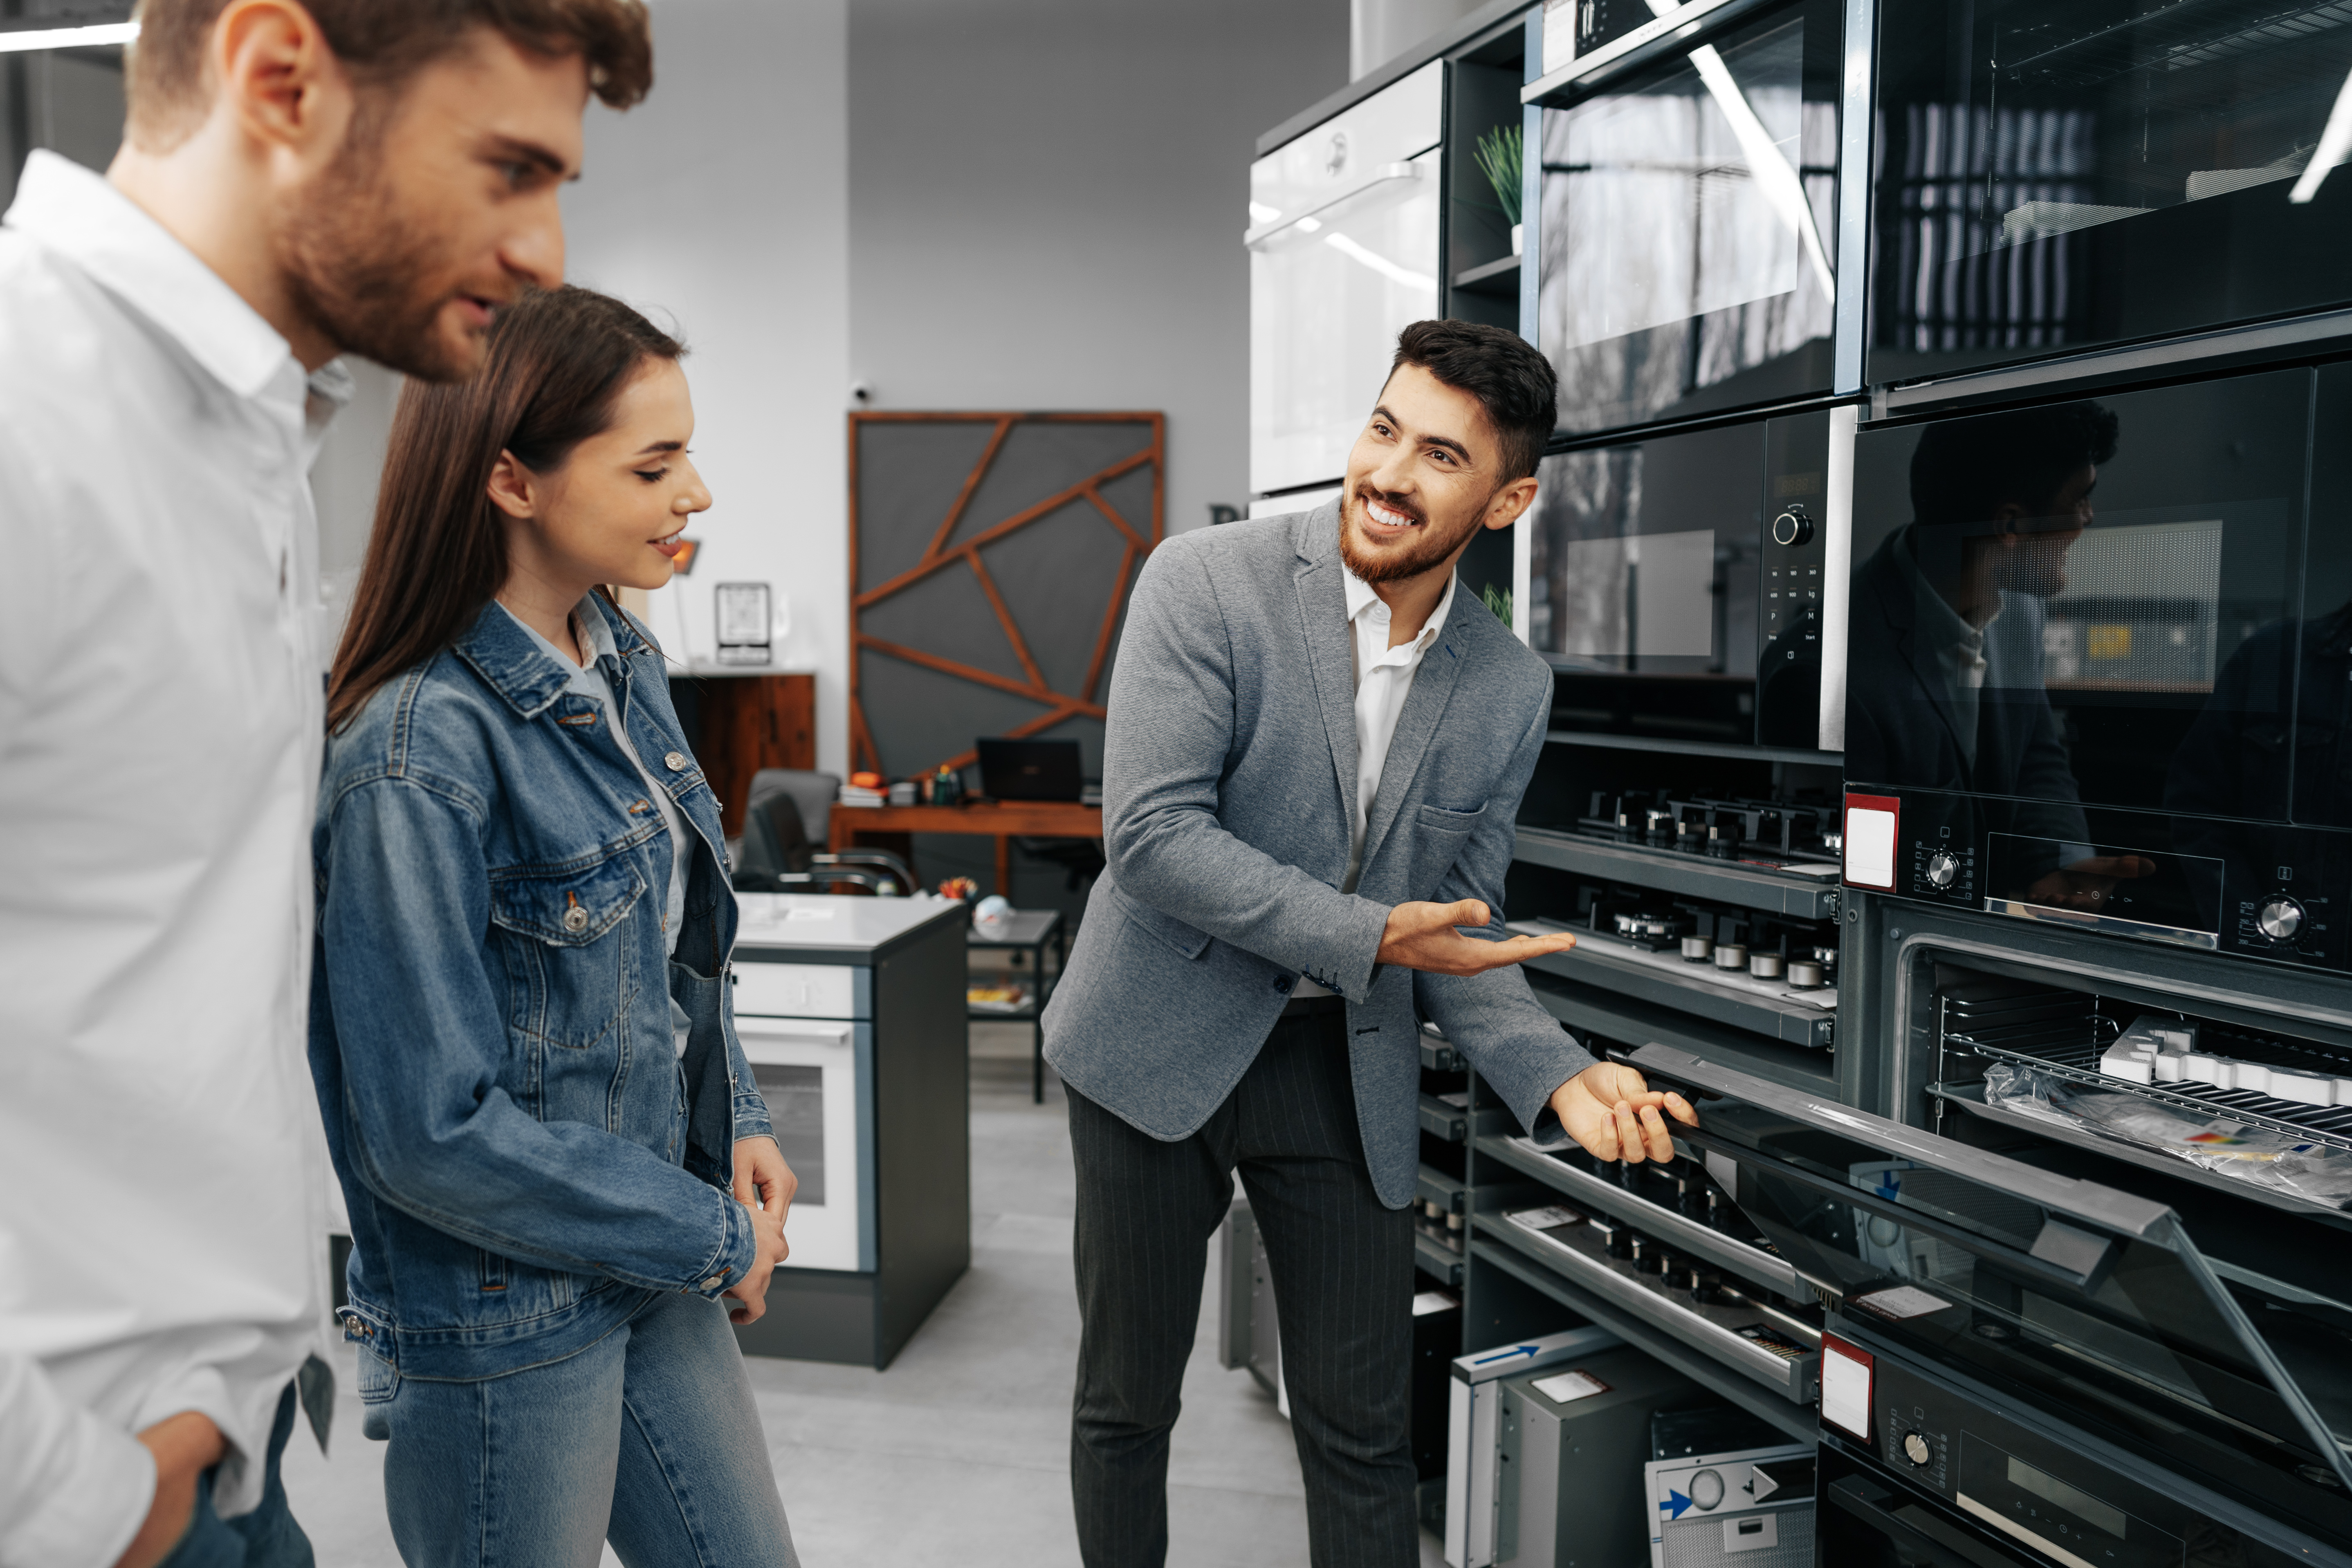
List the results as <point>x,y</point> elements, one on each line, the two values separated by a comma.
<point>746,623</point>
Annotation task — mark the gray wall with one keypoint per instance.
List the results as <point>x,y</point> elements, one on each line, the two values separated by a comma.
<point>1046,200</point>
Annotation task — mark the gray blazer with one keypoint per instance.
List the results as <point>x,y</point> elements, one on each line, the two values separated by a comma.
<point>1229,779</point>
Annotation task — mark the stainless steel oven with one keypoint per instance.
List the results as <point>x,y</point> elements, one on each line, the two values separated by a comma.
<point>2023,1365</point>
<point>2057,175</point>
<point>1686,240</point>
<point>2099,664</point>
<point>1679,583</point>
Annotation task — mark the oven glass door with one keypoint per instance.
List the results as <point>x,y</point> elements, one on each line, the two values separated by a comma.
<point>1344,255</point>
<point>2092,604</point>
<point>1861,1518</point>
<point>1644,558</point>
<point>2073,1296</point>
<point>807,1072</point>
<point>1684,260</point>
<point>2057,175</point>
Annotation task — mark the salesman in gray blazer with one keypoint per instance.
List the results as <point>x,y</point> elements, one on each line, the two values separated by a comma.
<point>1316,752</point>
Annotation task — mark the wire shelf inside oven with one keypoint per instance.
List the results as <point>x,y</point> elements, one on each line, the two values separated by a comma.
<point>2070,1049</point>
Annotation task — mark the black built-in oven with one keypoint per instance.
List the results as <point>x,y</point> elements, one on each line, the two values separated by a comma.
<point>1686,241</point>
<point>2025,1366</point>
<point>2099,664</point>
<point>2058,175</point>
<point>1677,584</point>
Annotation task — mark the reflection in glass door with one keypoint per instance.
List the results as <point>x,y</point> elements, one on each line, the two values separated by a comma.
<point>1684,240</point>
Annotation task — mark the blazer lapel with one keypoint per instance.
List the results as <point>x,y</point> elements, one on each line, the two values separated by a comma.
<point>1330,658</point>
<point>1424,708</point>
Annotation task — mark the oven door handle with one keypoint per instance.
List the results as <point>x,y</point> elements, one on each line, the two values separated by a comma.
<point>1846,1495</point>
<point>1389,174</point>
<point>2105,1206</point>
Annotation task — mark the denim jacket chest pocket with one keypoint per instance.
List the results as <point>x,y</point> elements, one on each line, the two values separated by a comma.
<point>573,972</point>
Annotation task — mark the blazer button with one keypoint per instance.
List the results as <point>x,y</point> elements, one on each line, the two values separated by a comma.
<point>576,918</point>
<point>675,762</point>
<point>1282,984</point>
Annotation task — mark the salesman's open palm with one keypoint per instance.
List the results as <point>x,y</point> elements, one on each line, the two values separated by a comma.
<point>1612,1111</point>
<point>1423,936</point>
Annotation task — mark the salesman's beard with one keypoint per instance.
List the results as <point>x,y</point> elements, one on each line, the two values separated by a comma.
<point>1426,548</point>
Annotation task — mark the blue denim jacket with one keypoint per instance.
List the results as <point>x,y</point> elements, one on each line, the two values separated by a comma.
<point>524,1154</point>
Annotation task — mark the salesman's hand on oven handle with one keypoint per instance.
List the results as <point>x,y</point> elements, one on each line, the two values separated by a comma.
<point>1612,1111</point>
<point>1423,936</point>
<point>2086,884</point>
<point>763,1185</point>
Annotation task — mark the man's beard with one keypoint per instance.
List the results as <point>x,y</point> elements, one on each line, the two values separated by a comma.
<point>367,274</point>
<point>2037,568</point>
<point>1421,555</point>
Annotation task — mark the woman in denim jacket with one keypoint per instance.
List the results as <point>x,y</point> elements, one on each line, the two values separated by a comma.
<point>554,1155</point>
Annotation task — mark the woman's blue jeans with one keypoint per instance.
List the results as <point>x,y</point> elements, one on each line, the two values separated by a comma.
<point>648,1438</point>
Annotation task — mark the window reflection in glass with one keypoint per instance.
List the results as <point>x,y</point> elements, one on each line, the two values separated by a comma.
<point>1685,230</point>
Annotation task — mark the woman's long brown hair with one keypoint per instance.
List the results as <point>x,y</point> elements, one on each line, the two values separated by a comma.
<point>558,360</point>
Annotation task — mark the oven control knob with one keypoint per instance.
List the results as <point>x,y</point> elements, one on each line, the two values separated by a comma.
<point>1942,867</point>
<point>2280,918</point>
<point>1792,527</point>
<point>1918,1449</point>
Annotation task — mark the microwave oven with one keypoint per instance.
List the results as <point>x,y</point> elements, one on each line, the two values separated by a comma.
<point>1686,240</point>
<point>2099,664</point>
<point>1678,584</point>
<point>2054,176</point>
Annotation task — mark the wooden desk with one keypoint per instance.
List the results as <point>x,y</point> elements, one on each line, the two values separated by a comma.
<point>1001,820</point>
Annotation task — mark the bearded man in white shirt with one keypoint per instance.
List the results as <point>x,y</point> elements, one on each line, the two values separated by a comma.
<point>294,183</point>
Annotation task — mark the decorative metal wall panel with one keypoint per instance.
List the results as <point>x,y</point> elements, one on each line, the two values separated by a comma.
<point>990,558</point>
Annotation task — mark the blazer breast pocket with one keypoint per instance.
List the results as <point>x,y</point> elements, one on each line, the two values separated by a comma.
<point>1440,819</point>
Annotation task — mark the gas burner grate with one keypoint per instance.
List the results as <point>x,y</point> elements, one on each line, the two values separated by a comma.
<point>2073,1052</point>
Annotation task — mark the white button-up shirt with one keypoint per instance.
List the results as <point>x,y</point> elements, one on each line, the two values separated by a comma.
<point>1383,680</point>
<point>163,1203</point>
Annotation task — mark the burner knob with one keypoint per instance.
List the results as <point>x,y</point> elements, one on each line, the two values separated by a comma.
<point>2280,918</point>
<point>1792,527</point>
<point>1942,867</point>
<point>1918,1449</point>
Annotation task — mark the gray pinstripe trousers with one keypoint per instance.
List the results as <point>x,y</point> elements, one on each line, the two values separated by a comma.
<point>1342,1268</point>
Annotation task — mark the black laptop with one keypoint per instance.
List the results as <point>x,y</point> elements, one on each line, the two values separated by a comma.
<point>1030,769</point>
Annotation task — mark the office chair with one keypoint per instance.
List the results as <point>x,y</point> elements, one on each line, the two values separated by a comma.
<point>779,853</point>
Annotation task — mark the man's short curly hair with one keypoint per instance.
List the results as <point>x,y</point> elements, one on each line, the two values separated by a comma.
<point>382,43</point>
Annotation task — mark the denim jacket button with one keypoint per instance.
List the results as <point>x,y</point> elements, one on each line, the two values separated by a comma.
<point>576,918</point>
<point>714,1282</point>
<point>675,762</point>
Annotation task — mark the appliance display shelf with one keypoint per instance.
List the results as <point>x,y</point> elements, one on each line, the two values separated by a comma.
<point>2072,1055</point>
<point>1750,885</point>
<point>1766,1007</point>
<point>1436,1260</point>
<point>1767,1269</point>
<point>1448,1193</point>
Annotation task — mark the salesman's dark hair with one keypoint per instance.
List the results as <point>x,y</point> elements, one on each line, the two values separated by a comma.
<point>1512,382</point>
<point>558,362</point>
<point>1965,470</point>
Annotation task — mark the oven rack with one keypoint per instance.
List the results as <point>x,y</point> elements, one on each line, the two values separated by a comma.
<point>2065,1054</point>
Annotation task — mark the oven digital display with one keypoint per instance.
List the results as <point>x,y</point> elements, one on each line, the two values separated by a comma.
<point>2166,896</point>
<point>2056,1517</point>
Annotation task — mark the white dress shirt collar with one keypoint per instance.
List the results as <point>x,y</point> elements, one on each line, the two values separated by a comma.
<point>77,214</point>
<point>1363,599</point>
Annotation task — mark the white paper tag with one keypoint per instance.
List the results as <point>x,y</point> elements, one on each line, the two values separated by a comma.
<point>1546,1218</point>
<point>1903,1301</point>
<point>1566,1387</point>
<point>1845,1391</point>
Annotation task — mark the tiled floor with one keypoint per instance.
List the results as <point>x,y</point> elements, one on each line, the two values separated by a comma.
<point>959,1453</point>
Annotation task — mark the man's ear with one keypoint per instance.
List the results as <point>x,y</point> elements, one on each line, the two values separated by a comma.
<point>513,488</point>
<point>1511,502</point>
<point>281,81</point>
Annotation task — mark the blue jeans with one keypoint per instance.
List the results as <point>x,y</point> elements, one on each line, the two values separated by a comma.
<point>648,1438</point>
<point>265,1538</point>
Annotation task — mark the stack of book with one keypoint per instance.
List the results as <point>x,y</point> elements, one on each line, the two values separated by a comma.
<point>855,795</point>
